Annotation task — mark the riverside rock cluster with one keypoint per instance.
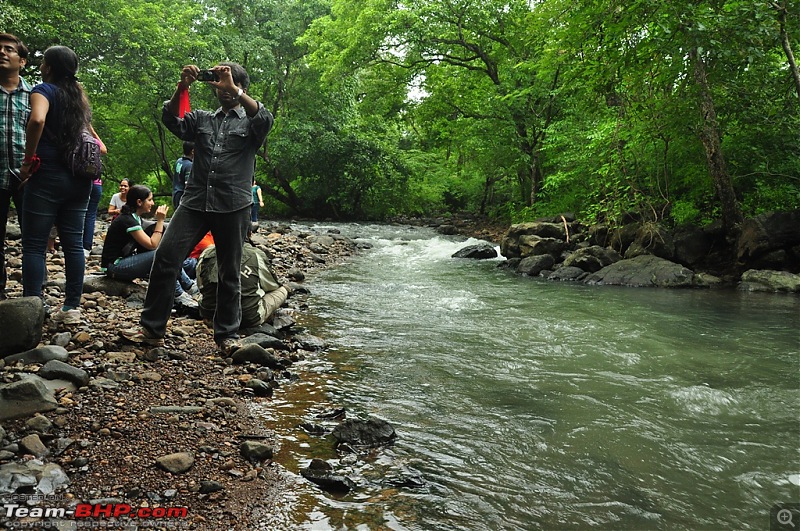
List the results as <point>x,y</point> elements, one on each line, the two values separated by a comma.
<point>762,255</point>
<point>88,418</point>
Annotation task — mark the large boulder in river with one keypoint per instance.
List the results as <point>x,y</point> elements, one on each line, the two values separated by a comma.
<point>531,245</point>
<point>644,271</point>
<point>447,229</point>
<point>370,432</point>
<point>703,248</point>
<point>771,281</point>
<point>592,258</point>
<point>322,474</point>
<point>533,265</point>
<point>652,238</point>
<point>481,251</point>
<point>622,237</point>
<point>543,236</point>
<point>21,323</point>
<point>543,229</point>
<point>769,239</point>
<point>567,273</point>
<point>512,241</point>
<point>599,234</point>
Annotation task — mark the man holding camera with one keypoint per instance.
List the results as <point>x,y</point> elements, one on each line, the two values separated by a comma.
<point>217,198</point>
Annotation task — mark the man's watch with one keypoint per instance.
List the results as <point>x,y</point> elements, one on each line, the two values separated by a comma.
<point>238,94</point>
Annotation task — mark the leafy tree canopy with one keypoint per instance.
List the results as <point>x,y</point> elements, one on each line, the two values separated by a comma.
<point>678,111</point>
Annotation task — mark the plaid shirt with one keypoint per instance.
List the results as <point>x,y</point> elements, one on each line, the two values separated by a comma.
<point>14,114</point>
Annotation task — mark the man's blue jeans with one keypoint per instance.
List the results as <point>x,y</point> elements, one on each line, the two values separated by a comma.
<point>186,228</point>
<point>54,197</point>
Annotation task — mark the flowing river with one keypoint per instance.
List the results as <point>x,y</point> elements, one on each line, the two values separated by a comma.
<point>521,403</point>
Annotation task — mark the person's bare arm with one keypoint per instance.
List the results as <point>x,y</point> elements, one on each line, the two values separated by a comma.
<point>100,143</point>
<point>33,132</point>
<point>152,242</point>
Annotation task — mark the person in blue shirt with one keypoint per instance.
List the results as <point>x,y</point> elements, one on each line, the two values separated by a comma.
<point>183,167</point>
<point>60,112</point>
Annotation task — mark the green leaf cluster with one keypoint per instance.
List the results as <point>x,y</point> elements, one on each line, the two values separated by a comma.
<point>672,111</point>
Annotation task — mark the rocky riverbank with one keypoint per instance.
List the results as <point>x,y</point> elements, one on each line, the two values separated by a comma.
<point>88,418</point>
<point>762,254</point>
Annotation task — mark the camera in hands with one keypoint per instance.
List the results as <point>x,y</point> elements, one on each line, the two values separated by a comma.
<point>207,75</point>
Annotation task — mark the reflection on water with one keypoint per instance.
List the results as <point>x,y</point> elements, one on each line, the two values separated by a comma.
<point>526,404</point>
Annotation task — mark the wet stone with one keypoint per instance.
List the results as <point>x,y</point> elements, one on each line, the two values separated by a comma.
<point>255,451</point>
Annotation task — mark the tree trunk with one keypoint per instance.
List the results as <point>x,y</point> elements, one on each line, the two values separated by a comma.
<point>486,186</point>
<point>536,175</point>
<point>787,47</point>
<point>710,136</point>
<point>528,176</point>
<point>488,193</point>
<point>290,199</point>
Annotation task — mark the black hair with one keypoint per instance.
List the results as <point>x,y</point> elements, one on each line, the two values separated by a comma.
<point>239,74</point>
<point>73,104</point>
<point>22,50</point>
<point>187,148</point>
<point>135,193</point>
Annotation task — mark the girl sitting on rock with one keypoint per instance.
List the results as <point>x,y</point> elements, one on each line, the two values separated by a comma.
<point>129,249</point>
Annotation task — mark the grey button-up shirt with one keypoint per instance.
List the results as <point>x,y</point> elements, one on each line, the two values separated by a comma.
<point>225,147</point>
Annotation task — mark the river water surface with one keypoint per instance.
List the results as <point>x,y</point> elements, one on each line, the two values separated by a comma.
<point>521,403</point>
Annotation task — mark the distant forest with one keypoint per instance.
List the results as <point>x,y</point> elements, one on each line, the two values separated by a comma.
<point>673,111</point>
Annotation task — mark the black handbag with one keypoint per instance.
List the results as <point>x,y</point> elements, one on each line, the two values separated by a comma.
<point>130,249</point>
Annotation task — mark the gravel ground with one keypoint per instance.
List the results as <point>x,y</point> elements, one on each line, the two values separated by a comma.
<point>144,404</point>
<point>114,436</point>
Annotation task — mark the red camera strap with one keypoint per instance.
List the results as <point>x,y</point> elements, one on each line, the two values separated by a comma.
<point>183,94</point>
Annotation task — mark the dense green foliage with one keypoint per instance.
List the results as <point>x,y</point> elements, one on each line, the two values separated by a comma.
<point>678,111</point>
